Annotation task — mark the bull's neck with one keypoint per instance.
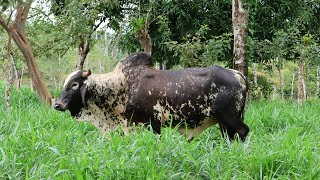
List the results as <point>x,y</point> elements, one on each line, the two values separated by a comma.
<point>106,100</point>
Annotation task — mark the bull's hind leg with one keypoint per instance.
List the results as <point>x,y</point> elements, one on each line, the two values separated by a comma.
<point>232,126</point>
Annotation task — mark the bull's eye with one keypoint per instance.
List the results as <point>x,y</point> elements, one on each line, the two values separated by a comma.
<point>75,86</point>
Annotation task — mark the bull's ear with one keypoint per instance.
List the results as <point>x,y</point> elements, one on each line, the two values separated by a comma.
<point>83,92</point>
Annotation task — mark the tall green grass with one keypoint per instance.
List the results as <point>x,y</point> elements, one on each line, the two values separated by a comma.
<point>37,142</point>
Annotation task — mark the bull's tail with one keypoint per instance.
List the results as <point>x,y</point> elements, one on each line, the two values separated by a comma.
<point>245,93</point>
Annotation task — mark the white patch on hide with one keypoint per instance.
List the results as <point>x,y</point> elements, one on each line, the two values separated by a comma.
<point>190,105</point>
<point>192,132</point>
<point>69,77</point>
<point>240,77</point>
<point>206,111</point>
<point>162,112</point>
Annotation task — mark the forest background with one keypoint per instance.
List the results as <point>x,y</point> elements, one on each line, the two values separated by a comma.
<point>282,51</point>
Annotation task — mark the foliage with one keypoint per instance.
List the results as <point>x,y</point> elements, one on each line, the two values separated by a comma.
<point>308,50</point>
<point>280,34</point>
<point>173,21</point>
<point>82,18</point>
<point>264,88</point>
<point>39,143</point>
<point>287,45</point>
<point>197,51</point>
<point>268,17</point>
<point>137,23</point>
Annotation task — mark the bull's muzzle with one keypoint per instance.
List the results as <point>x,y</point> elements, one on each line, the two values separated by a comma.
<point>59,106</point>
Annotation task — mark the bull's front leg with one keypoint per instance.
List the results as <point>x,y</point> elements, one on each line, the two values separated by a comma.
<point>125,125</point>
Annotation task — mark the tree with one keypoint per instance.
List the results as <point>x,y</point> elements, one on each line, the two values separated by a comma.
<point>174,21</point>
<point>16,30</point>
<point>239,22</point>
<point>307,50</point>
<point>277,50</point>
<point>277,29</point>
<point>141,28</point>
<point>90,15</point>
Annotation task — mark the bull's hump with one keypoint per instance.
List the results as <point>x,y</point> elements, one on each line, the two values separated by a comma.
<point>138,59</point>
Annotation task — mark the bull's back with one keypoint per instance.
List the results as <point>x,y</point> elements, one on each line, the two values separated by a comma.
<point>173,87</point>
<point>186,85</point>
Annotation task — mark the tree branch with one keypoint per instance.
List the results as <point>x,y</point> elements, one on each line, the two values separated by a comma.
<point>25,12</point>
<point>19,21</point>
<point>4,24</point>
<point>95,27</point>
<point>9,47</point>
<point>9,18</point>
<point>40,12</point>
<point>18,13</point>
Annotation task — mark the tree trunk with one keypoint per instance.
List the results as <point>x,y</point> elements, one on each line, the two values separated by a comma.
<point>17,32</point>
<point>31,85</point>
<point>9,84</point>
<point>318,82</point>
<point>239,22</point>
<point>9,75</point>
<point>87,64</point>
<point>116,43</point>
<point>281,83</point>
<point>255,82</point>
<point>19,81</point>
<point>145,40</point>
<point>300,83</point>
<point>305,94</point>
<point>106,43</point>
<point>55,83</point>
<point>34,72</point>
<point>16,73</point>
<point>51,78</point>
<point>292,82</point>
<point>100,66</point>
<point>83,50</point>
<point>274,92</point>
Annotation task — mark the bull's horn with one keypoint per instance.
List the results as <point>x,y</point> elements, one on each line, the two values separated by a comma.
<point>85,74</point>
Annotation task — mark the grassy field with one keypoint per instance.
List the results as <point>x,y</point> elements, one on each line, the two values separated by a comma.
<point>37,142</point>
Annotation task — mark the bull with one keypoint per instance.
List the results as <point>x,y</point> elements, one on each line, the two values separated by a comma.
<point>134,93</point>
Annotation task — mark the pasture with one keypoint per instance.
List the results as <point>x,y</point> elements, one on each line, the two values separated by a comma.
<point>37,142</point>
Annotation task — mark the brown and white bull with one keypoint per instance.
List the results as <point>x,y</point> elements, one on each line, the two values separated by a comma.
<point>135,93</point>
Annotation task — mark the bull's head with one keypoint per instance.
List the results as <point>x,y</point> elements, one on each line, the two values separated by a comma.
<point>73,96</point>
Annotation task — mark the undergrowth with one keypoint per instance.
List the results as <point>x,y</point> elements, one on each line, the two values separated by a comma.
<point>37,142</point>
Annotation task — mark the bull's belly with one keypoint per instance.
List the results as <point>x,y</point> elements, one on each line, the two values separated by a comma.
<point>191,132</point>
<point>190,118</point>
